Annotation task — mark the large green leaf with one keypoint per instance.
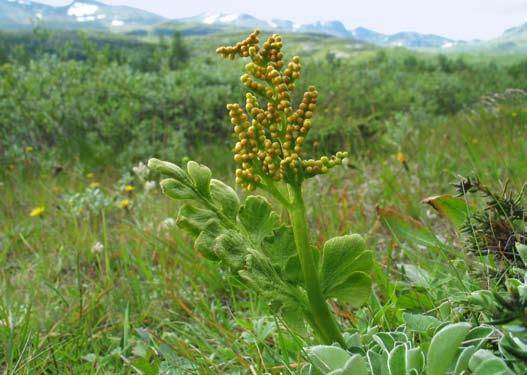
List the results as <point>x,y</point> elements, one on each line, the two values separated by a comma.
<point>407,228</point>
<point>344,269</point>
<point>258,218</point>
<point>444,347</point>
<point>452,208</point>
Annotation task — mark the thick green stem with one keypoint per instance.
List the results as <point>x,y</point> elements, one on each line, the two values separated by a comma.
<point>325,324</point>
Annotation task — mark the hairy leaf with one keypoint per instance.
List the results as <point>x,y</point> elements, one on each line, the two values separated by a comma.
<point>206,239</point>
<point>420,323</point>
<point>444,346</point>
<point>327,358</point>
<point>201,176</point>
<point>226,197</point>
<point>169,169</point>
<point>231,248</point>
<point>280,247</point>
<point>484,362</point>
<point>194,219</point>
<point>258,218</point>
<point>397,360</point>
<point>356,365</point>
<point>176,189</point>
<point>415,359</point>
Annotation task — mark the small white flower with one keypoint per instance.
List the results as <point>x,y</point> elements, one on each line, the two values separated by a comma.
<point>97,248</point>
<point>150,185</point>
<point>168,223</point>
<point>141,170</point>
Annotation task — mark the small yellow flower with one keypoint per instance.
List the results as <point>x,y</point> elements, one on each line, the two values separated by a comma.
<point>401,157</point>
<point>124,204</point>
<point>55,189</point>
<point>29,149</point>
<point>129,188</point>
<point>514,114</point>
<point>90,175</point>
<point>94,185</point>
<point>37,211</point>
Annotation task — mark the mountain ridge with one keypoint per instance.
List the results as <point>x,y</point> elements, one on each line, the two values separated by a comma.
<point>96,15</point>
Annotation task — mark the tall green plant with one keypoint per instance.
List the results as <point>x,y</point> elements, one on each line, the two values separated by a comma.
<point>275,259</point>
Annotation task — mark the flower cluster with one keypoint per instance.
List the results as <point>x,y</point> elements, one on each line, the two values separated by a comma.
<point>271,135</point>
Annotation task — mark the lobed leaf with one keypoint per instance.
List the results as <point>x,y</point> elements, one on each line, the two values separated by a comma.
<point>258,218</point>
<point>225,197</point>
<point>193,219</point>
<point>169,169</point>
<point>205,241</point>
<point>201,176</point>
<point>176,189</point>
<point>344,269</point>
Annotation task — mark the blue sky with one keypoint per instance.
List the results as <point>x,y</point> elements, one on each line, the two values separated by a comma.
<point>459,19</point>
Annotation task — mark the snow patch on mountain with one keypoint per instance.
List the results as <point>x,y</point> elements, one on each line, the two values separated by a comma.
<point>82,10</point>
<point>228,18</point>
<point>21,2</point>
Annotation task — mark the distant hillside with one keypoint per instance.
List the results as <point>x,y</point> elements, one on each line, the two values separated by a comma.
<point>97,16</point>
<point>223,22</point>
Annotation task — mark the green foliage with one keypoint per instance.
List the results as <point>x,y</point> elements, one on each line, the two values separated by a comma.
<point>250,241</point>
<point>453,349</point>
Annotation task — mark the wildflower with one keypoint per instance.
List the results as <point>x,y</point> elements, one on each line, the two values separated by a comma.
<point>124,204</point>
<point>94,185</point>
<point>90,175</point>
<point>150,185</point>
<point>29,149</point>
<point>97,248</point>
<point>129,188</point>
<point>141,170</point>
<point>37,211</point>
<point>168,223</point>
<point>55,189</point>
<point>514,114</point>
<point>401,157</point>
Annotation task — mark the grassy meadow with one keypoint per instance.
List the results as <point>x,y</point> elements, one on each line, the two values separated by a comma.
<point>97,278</point>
